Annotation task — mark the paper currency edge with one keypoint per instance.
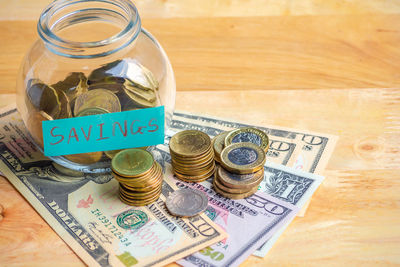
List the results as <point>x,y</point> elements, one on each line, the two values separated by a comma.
<point>47,216</point>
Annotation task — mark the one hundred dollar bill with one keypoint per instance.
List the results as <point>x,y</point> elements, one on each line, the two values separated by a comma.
<point>249,222</point>
<point>88,215</point>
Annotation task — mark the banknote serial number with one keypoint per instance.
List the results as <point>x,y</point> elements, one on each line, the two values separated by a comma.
<point>109,225</point>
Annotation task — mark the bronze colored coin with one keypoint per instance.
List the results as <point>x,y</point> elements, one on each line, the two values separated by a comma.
<point>91,111</point>
<point>85,158</point>
<point>111,153</point>
<point>65,108</point>
<point>132,162</point>
<point>153,181</point>
<point>248,134</point>
<point>194,172</point>
<point>234,180</point>
<point>243,158</point>
<point>232,195</point>
<point>189,143</point>
<point>34,125</point>
<point>217,182</point>
<point>97,98</point>
<point>198,159</point>
<point>43,98</point>
<point>138,202</point>
<point>148,95</point>
<point>73,85</point>
<point>137,180</point>
<point>139,194</point>
<point>195,178</point>
<point>219,144</point>
<point>139,101</point>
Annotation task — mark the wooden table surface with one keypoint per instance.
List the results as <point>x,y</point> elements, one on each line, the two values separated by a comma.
<point>327,66</point>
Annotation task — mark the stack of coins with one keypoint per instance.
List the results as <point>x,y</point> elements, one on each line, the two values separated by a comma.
<point>242,163</point>
<point>192,156</point>
<point>139,176</point>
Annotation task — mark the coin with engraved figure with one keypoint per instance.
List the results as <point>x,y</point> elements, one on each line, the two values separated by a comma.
<point>132,162</point>
<point>186,202</point>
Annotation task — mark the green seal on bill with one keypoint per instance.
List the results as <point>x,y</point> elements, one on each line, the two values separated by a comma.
<point>132,219</point>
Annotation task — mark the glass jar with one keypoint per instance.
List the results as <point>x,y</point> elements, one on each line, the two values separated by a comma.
<point>92,57</point>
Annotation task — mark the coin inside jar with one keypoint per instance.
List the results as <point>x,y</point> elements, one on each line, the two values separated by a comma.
<point>186,202</point>
<point>97,98</point>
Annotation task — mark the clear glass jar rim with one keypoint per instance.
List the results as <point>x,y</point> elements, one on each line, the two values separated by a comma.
<point>47,34</point>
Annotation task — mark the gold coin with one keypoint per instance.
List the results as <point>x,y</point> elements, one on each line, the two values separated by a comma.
<point>138,101</point>
<point>221,186</point>
<point>234,180</point>
<point>233,195</point>
<point>85,158</point>
<point>219,144</point>
<point>145,185</point>
<point>142,181</point>
<point>73,85</point>
<point>65,108</point>
<point>195,177</point>
<point>243,158</point>
<point>97,98</point>
<point>132,162</point>
<point>148,95</point>
<point>34,125</point>
<point>42,97</point>
<point>198,159</point>
<point>139,194</point>
<point>189,143</point>
<point>192,165</point>
<point>138,202</point>
<point>194,172</point>
<point>248,134</point>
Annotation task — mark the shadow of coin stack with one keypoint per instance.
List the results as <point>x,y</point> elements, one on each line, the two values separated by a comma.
<point>241,168</point>
<point>192,156</point>
<point>139,175</point>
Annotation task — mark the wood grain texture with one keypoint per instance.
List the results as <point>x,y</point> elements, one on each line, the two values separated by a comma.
<point>304,52</point>
<point>30,10</point>
<point>322,65</point>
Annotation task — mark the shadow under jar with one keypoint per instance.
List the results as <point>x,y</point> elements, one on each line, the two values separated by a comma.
<point>92,57</point>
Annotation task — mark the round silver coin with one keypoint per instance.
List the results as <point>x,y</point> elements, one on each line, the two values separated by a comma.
<point>187,202</point>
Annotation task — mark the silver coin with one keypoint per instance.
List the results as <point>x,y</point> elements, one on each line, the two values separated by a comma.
<point>187,202</point>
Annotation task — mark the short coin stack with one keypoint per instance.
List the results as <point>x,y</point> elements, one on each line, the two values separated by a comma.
<point>192,156</point>
<point>241,153</point>
<point>139,176</point>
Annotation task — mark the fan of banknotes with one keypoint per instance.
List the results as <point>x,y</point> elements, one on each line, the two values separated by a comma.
<point>265,177</point>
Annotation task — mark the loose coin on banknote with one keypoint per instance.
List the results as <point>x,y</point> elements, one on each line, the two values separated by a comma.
<point>248,134</point>
<point>243,158</point>
<point>132,162</point>
<point>186,202</point>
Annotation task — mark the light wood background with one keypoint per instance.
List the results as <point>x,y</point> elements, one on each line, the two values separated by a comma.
<point>322,65</point>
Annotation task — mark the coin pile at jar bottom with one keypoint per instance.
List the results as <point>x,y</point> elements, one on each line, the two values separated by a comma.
<point>192,156</point>
<point>139,176</point>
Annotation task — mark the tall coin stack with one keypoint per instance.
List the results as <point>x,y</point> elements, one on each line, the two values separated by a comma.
<point>192,156</point>
<point>241,153</point>
<point>139,175</point>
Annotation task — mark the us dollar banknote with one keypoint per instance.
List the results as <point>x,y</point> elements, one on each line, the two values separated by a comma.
<point>313,150</point>
<point>88,215</point>
<point>316,148</point>
<point>249,222</point>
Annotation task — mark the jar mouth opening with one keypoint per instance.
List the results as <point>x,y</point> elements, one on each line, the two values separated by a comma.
<point>62,14</point>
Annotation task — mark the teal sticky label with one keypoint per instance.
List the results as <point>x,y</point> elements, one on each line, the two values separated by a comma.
<point>119,130</point>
